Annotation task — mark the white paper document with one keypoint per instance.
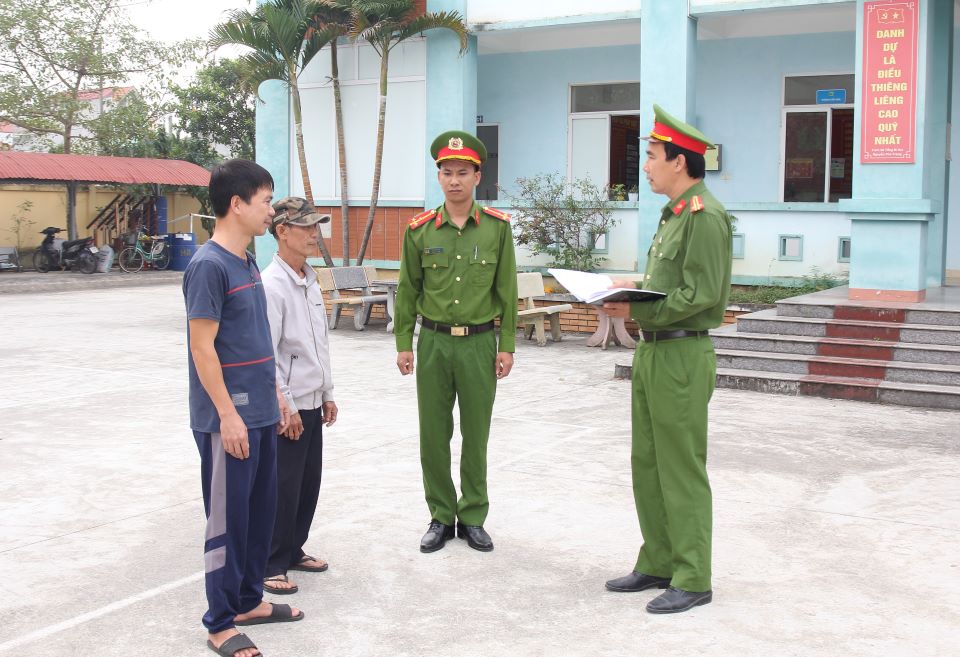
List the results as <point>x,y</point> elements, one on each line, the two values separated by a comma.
<point>595,288</point>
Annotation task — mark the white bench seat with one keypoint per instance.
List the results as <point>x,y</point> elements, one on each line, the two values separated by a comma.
<point>532,317</point>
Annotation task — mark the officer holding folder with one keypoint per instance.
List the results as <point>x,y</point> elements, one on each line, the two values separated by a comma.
<point>674,371</point>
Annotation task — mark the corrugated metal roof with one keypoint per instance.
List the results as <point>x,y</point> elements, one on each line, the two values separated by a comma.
<point>53,167</point>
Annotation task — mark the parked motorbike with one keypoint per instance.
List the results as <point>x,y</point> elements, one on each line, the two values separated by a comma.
<point>77,255</point>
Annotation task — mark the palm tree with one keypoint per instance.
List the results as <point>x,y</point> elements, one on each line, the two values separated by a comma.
<point>334,22</point>
<point>384,24</point>
<point>283,41</point>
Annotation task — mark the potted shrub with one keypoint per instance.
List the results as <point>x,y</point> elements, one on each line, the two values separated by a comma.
<point>617,192</point>
<point>633,193</point>
<point>562,219</point>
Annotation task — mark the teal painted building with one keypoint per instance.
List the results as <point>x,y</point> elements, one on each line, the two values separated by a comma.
<point>568,87</point>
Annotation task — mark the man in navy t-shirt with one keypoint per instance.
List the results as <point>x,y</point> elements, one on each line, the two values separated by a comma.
<point>234,407</point>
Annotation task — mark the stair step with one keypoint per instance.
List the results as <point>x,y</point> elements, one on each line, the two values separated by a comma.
<point>870,390</point>
<point>768,321</point>
<point>731,337</point>
<point>862,368</point>
<point>900,313</point>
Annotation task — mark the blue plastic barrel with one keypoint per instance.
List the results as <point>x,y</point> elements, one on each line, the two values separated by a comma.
<point>182,248</point>
<point>160,203</point>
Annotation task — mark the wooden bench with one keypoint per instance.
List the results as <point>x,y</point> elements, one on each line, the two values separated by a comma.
<point>336,279</point>
<point>530,316</point>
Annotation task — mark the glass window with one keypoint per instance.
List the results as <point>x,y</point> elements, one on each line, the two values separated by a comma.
<point>818,141</point>
<point>791,247</point>
<point>617,97</point>
<point>625,151</point>
<point>818,155</point>
<point>488,189</point>
<point>802,89</point>
<point>805,156</point>
<point>843,250</point>
<point>739,243</point>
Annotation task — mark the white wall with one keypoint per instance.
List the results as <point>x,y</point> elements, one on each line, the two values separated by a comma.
<point>402,170</point>
<point>820,230</point>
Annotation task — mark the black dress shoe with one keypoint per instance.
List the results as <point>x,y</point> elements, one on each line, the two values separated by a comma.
<point>637,582</point>
<point>673,601</point>
<point>476,537</point>
<point>436,537</point>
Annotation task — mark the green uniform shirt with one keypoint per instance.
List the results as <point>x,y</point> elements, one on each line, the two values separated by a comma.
<point>458,276</point>
<point>690,260</point>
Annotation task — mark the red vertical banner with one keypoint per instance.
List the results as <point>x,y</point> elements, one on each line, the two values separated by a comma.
<point>888,105</point>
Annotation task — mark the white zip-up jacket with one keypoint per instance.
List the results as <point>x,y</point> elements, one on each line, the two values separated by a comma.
<point>298,326</point>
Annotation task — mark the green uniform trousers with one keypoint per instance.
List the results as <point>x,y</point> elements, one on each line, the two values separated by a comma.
<point>457,369</point>
<point>673,381</point>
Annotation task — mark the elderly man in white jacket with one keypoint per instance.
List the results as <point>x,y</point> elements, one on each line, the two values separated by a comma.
<point>298,324</point>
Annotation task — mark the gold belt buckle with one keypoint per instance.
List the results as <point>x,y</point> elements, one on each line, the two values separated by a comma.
<point>459,331</point>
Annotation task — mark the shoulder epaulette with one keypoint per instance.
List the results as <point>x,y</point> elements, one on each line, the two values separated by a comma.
<point>493,212</point>
<point>696,204</point>
<point>421,219</point>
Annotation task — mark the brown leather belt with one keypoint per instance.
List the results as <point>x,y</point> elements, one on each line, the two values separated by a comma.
<point>456,331</point>
<point>658,336</point>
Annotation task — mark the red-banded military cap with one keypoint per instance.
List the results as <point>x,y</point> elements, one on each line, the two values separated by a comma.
<point>458,145</point>
<point>669,129</point>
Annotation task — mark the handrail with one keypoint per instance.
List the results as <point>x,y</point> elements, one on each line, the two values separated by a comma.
<point>191,217</point>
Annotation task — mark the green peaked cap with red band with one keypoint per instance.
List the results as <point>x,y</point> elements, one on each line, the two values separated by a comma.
<point>458,145</point>
<point>669,129</point>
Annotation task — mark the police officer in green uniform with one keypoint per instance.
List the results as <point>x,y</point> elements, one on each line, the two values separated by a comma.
<point>674,371</point>
<point>458,272</point>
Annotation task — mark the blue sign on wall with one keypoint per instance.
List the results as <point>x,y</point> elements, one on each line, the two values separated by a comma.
<point>831,96</point>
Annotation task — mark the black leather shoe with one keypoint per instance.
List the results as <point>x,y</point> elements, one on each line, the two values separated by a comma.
<point>674,601</point>
<point>436,537</point>
<point>637,582</point>
<point>475,536</point>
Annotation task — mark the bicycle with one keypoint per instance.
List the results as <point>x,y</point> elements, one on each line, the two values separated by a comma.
<point>131,259</point>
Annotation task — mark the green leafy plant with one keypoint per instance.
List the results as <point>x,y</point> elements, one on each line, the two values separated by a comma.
<point>280,39</point>
<point>815,281</point>
<point>21,224</point>
<point>562,219</point>
<point>618,192</point>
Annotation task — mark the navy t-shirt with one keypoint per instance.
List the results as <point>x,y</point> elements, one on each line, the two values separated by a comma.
<point>221,286</point>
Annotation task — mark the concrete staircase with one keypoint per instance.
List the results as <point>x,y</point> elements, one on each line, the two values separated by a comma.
<point>827,346</point>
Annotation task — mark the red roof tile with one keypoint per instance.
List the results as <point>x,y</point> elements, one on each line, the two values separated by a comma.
<point>53,167</point>
<point>106,92</point>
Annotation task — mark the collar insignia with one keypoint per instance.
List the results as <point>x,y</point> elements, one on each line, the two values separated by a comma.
<point>681,204</point>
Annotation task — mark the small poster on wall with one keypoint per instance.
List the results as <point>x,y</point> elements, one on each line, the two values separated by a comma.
<point>837,165</point>
<point>799,168</point>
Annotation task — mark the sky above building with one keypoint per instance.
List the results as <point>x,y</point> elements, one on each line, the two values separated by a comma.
<point>176,20</point>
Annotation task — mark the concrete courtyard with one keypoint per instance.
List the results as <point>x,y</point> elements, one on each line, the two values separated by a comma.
<point>837,524</point>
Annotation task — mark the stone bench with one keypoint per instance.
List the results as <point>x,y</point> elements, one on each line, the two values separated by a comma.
<point>533,318</point>
<point>334,280</point>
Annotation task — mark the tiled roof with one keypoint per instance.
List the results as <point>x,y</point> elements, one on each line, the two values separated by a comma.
<point>53,167</point>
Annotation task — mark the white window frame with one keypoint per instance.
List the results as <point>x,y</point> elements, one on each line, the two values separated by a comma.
<point>788,109</point>
<point>572,116</point>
